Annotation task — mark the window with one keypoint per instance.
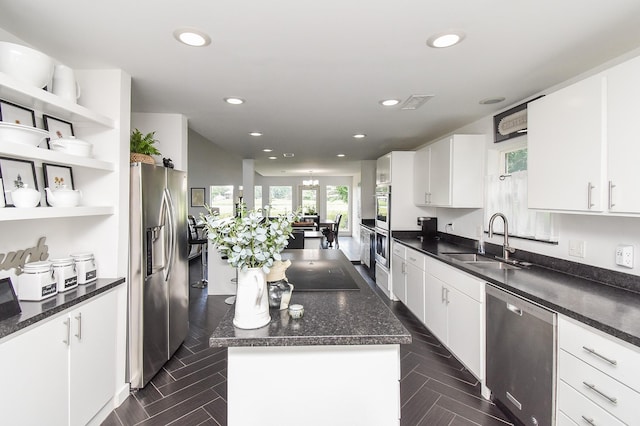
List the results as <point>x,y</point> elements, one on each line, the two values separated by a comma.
<point>507,194</point>
<point>514,161</point>
<point>221,197</point>
<point>257,198</point>
<point>280,200</point>
<point>338,202</point>
<point>308,195</point>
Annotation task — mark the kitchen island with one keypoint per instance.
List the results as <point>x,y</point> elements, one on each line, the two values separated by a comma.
<point>339,364</point>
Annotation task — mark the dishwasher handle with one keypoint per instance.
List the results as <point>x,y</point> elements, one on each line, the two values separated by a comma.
<point>514,309</point>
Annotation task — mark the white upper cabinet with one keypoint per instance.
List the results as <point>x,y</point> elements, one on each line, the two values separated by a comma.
<point>450,172</point>
<point>623,110</point>
<point>565,144</point>
<point>383,170</point>
<point>582,145</point>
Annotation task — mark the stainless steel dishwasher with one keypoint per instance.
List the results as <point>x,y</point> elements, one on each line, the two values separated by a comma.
<point>521,356</point>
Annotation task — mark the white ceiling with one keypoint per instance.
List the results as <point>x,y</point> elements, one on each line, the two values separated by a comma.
<point>312,72</point>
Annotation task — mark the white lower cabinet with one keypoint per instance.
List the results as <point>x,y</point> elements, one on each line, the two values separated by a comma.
<point>407,274</point>
<point>415,283</point>
<point>399,272</point>
<point>598,380</point>
<point>454,304</point>
<point>63,371</point>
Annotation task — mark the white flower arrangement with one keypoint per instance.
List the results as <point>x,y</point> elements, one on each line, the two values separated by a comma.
<point>250,240</point>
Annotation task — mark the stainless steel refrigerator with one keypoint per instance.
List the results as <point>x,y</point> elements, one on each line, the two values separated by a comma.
<point>158,269</point>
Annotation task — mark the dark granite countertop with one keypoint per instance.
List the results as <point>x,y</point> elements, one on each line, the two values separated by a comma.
<point>33,312</point>
<point>345,317</point>
<point>613,310</point>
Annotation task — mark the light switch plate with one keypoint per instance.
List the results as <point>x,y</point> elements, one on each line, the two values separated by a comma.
<point>624,256</point>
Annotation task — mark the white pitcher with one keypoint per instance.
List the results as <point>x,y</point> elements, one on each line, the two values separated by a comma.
<point>252,302</point>
<point>64,83</point>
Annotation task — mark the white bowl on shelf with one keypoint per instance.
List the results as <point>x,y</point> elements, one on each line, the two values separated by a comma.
<point>25,64</point>
<point>72,146</point>
<point>25,135</point>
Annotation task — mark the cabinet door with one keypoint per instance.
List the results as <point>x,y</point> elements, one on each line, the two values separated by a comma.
<point>383,169</point>
<point>440,173</point>
<point>421,164</point>
<point>415,290</point>
<point>465,329</point>
<point>35,376</point>
<point>623,109</point>
<point>435,309</point>
<point>565,148</point>
<point>398,278</point>
<point>92,358</point>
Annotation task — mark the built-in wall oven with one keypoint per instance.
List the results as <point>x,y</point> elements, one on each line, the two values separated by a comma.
<point>382,245</point>
<point>383,203</point>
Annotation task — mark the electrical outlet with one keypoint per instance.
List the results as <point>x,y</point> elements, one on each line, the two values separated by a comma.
<point>577,248</point>
<point>624,256</point>
<point>449,226</point>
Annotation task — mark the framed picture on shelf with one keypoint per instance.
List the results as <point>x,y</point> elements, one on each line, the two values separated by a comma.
<point>197,197</point>
<point>15,114</point>
<point>16,174</point>
<point>57,128</point>
<point>57,177</point>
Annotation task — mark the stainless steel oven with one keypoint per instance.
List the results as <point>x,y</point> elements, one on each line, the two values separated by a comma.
<point>382,244</point>
<point>383,206</point>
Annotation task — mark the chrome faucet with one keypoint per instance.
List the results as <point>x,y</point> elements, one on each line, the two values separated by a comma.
<point>505,245</point>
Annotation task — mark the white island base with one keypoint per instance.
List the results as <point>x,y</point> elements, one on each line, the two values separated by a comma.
<point>314,385</point>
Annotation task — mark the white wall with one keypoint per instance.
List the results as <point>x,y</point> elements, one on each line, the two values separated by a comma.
<point>601,234</point>
<point>171,133</point>
<point>210,165</point>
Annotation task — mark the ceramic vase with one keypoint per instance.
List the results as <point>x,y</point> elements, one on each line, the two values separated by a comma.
<point>252,299</point>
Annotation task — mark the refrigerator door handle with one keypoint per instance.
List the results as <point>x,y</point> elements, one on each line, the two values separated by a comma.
<point>168,205</point>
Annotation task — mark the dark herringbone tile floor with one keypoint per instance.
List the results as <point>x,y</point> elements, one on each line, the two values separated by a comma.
<point>191,388</point>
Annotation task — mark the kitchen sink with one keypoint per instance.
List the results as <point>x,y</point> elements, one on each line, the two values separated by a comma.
<point>480,261</point>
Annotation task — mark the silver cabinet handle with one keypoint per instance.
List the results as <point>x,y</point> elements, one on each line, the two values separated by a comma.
<point>413,259</point>
<point>514,309</point>
<point>593,352</point>
<point>425,198</point>
<point>404,268</point>
<point>611,186</point>
<point>589,191</point>
<point>79,319</point>
<point>67,324</point>
<point>593,387</point>
<point>442,297</point>
<point>588,420</point>
<point>446,297</point>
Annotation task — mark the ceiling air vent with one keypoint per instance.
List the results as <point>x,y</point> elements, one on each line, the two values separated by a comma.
<point>415,101</point>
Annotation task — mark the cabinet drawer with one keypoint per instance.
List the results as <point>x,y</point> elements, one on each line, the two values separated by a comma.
<point>564,420</point>
<point>398,250</point>
<point>581,410</point>
<point>462,282</point>
<point>599,388</point>
<point>415,258</point>
<point>614,358</point>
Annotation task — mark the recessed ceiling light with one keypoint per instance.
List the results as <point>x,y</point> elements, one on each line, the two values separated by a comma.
<point>359,135</point>
<point>234,101</point>
<point>273,158</point>
<point>288,154</point>
<point>340,155</point>
<point>267,150</point>
<point>390,102</point>
<point>255,133</point>
<point>192,37</point>
<point>490,101</point>
<point>445,39</point>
